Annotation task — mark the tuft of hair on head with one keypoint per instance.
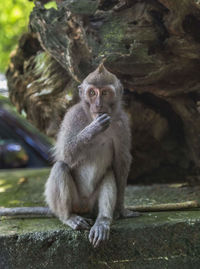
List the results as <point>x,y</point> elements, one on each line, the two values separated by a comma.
<point>101,68</point>
<point>101,77</point>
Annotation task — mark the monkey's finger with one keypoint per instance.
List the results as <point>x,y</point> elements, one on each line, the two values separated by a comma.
<point>85,225</point>
<point>86,222</point>
<point>98,239</point>
<point>89,221</point>
<point>98,242</point>
<point>81,226</point>
<point>103,234</point>
<point>105,118</point>
<point>91,235</point>
<point>101,116</point>
<point>96,236</point>
<point>105,121</point>
<point>107,234</point>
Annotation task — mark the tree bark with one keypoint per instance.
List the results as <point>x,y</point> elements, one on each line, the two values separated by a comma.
<point>153,46</point>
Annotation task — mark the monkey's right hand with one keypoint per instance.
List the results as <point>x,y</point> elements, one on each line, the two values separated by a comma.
<point>100,124</point>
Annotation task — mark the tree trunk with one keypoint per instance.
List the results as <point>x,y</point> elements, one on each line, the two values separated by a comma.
<point>153,46</point>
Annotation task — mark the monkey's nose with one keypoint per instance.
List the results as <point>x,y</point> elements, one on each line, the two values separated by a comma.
<point>99,106</point>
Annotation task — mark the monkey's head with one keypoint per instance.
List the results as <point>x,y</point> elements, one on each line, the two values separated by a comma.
<point>101,91</point>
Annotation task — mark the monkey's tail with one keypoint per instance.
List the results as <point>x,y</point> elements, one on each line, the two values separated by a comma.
<point>26,211</point>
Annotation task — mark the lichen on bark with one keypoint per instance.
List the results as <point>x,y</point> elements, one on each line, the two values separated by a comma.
<point>152,46</point>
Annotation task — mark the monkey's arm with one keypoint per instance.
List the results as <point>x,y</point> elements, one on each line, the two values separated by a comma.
<point>122,161</point>
<point>76,134</point>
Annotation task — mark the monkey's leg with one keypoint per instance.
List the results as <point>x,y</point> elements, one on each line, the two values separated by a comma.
<point>106,205</point>
<point>62,197</point>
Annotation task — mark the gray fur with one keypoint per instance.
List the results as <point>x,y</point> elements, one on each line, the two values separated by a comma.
<point>92,160</point>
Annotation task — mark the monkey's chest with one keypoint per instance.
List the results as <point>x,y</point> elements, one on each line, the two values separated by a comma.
<point>97,161</point>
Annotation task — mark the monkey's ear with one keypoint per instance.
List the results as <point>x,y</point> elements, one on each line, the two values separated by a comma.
<point>80,89</point>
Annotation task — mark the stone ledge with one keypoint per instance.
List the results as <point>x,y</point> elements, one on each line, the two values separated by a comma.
<point>154,240</point>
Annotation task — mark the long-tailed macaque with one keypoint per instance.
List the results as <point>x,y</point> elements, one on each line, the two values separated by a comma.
<point>92,155</point>
<point>92,160</point>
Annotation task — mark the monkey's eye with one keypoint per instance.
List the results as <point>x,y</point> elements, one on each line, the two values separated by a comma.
<point>91,92</point>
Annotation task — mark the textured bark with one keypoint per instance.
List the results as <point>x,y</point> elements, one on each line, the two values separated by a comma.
<point>153,46</point>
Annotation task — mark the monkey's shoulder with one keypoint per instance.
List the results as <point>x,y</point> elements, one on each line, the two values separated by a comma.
<point>122,122</point>
<point>122,132</point>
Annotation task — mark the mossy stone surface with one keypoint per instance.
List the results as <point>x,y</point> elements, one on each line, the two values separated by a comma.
<point>156,240</point>
<point>22,187</point>
<point>153,240</point>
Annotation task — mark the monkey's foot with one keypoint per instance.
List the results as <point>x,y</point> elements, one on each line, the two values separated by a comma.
<point>125,213</point>
<point>99,233</point>
<point>129,214</point>
<point>79,223</point>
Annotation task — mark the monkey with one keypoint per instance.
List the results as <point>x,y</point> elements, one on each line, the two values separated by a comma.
<point>92,159</point>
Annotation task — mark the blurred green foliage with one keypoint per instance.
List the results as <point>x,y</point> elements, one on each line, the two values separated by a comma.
<point>13,22</point>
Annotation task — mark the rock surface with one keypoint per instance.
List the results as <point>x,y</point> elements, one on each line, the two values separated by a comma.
<point>154,240</point>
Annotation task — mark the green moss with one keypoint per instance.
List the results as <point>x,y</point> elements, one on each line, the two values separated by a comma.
<point>158,194</point>
<point>22,187</point>
<point>11,226</point>
<point>112,35</point>
<point>153,240</point>
<point>19,225</point>
<point>85,7</point>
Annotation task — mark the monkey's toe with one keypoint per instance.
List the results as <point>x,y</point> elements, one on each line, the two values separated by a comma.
<point>78,223</point>
<point>89,221</point>
<point>130,214</point>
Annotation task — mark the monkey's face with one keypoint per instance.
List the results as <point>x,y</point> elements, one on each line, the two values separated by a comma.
<point>100,100</point>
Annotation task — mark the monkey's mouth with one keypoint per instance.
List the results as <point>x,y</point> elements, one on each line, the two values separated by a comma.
<point>99,113</point>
